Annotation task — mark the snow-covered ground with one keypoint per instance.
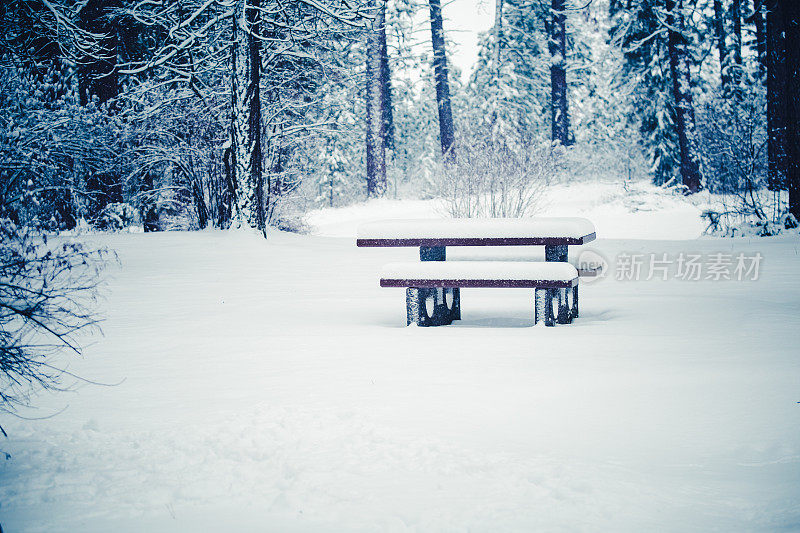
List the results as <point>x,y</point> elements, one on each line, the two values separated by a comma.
<point>273,386</point>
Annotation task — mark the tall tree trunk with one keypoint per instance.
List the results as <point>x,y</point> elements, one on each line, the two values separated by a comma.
<point>498,35</point>
<point>242,192</point>
<point>376,146</point>
<point>736,14</point>
<point>495,93</point>
<point>386,88</point>
<point>761,36</point>
<point>681,91</point>
<point>791,25</point>
<point>558,74</point>
<point>255,127</point>
<point>776,96</point>
<point>719,29</point>
<point>446,127</point>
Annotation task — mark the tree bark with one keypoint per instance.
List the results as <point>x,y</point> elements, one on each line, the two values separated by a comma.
<point>498,35</point>
<point>791,25</point>
<point>719,29</point>
<point>681,91</point>
<point>761,39</point>
<point>375,140</point>
<point>776,96</point>
<point>558,74</point>
<point>736,14</point>
<point>255,127</point>
<point>386,88</point>
<point>446,127</point>
<point>242,192</point>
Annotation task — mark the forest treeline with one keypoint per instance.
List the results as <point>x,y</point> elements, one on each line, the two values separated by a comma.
<point>197,113</point>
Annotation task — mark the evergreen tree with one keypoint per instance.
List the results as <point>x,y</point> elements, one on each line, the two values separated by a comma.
<point>646,77</point>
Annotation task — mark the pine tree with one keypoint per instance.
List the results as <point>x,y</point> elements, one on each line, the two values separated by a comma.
<point>682,95</point>
<point>645,75</point>
<point>557,45</point>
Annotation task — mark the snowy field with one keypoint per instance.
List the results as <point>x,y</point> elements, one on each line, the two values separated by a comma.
<point>273,386</point>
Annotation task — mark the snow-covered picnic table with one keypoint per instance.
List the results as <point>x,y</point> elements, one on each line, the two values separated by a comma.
<point>433,288</point>
<point>539,231</point>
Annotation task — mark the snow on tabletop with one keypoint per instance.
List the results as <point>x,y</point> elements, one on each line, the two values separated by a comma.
<point>499,270</point>
<point>479,228</point>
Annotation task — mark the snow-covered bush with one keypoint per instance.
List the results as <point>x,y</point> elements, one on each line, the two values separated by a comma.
<point>57,157</point>
<point>47,297</point>
<point>491,180</point>
<point>116,216</point>
<point>733,141</point>
<point>732,137</point>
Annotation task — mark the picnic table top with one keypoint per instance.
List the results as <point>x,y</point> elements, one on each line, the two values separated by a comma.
<point>477,232</point>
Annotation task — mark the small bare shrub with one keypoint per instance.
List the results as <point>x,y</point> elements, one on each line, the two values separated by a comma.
<point>47,295</point>
<point>492,181</point>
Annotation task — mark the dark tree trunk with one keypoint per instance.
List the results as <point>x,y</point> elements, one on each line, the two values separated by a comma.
<point>200,205</point>
<point>228,195</point>
<point>776,96</point>
<point>498,35</point>
<point>386,88</point>
<point>558,74</point>
<point>65,207</point>
<point>150,212</point>
<point>446,128</point>
<point>681,91</point>
<point>719,29</point>
<point>375,141</point>
<point>97,74</point>
<point>254,114</point>
<point>761,36</point>
<point>736,14</point>
<point>791,25</point>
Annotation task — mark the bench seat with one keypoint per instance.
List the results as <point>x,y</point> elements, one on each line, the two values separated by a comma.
<point>430,274</point>
<point>432,287</point>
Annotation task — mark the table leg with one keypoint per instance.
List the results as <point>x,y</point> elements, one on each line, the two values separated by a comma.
<point>432,253</point>
<point>556,252</point>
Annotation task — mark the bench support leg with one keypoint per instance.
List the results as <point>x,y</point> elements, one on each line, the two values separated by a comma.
<point>439,253</point>
<point>564,305</point>
<point>560,253</point>
<point>413,315</point>
<point>427,307</point>
<point>543,307</point>
<point>575,302</point>
<point>455,312</point>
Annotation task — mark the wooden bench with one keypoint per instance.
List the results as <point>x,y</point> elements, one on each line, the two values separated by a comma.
<point>430,287</point>
<point>434,236</point>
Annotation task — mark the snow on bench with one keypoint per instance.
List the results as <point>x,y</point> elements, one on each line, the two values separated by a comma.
<point>433,297</point>
<point>451,274</point>
<point>477,232</point>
